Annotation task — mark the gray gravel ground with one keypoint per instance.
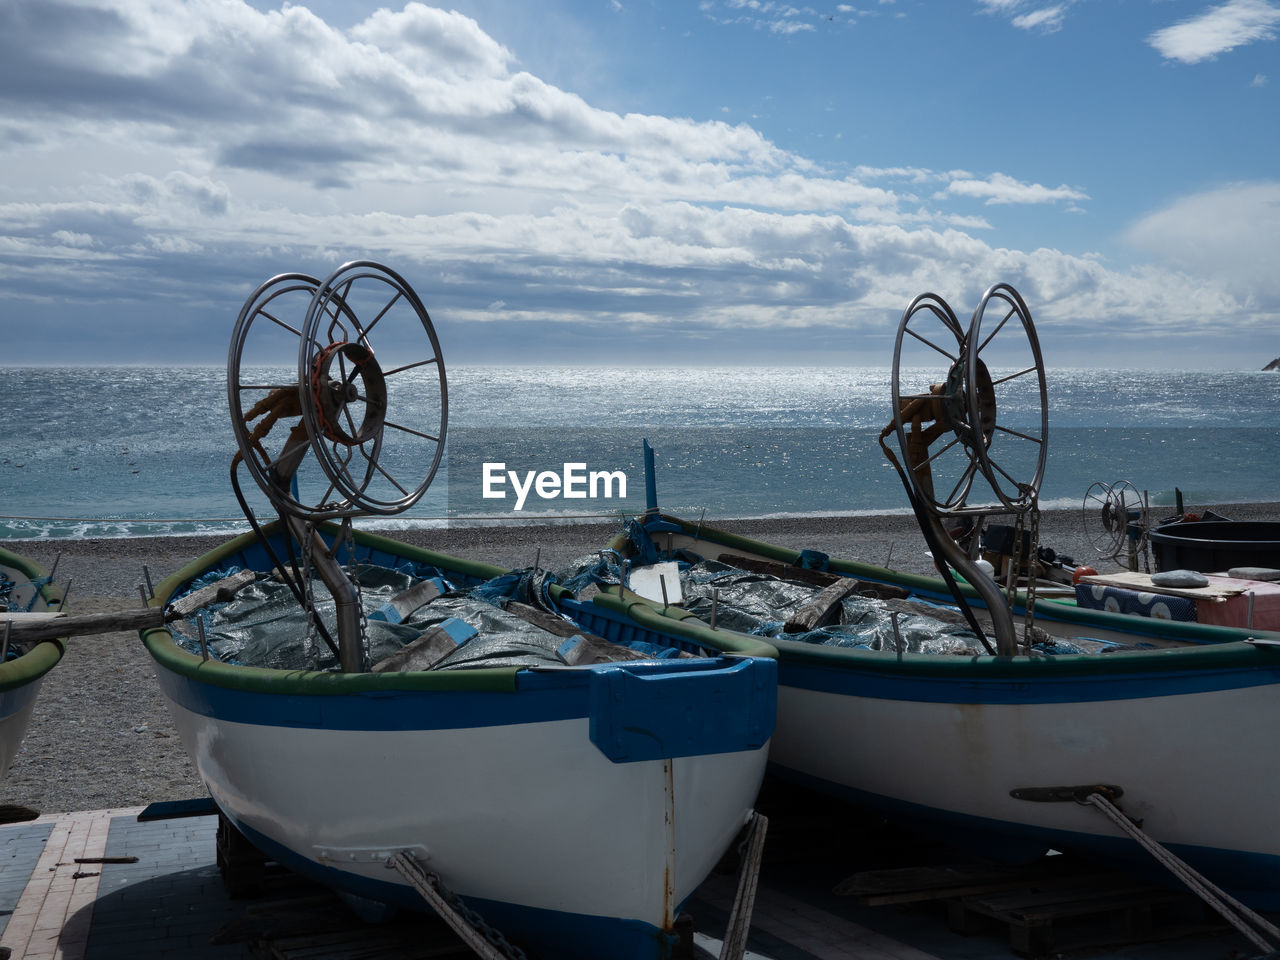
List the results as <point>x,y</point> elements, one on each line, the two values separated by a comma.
<point>101,735</point>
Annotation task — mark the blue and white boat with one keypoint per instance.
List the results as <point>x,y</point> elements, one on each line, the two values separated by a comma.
<point>1173,719</point>
<point>573,808</point>
<point>25,593</point>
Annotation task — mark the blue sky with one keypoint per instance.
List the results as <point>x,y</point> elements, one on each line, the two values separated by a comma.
<point>647,182</point>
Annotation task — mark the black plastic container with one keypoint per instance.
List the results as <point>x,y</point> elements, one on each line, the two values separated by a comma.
<point>1216,546</point>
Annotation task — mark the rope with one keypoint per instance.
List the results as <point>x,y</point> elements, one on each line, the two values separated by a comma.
<point>1231,910</point>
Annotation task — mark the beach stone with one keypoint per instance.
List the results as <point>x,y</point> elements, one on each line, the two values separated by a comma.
<point>1254,573</point>
<point>1179,578</point>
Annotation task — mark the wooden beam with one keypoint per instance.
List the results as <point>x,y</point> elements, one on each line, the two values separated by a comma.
<point>25,630</point>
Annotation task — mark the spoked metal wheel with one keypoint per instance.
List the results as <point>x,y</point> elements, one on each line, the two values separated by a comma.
<point>1009,410</point>
<point>262,389</point>
<point>303,358</point>
<point>1129,508</point>
<point>929,403</point>
<point>1102,527</point>
<point>373,459</point>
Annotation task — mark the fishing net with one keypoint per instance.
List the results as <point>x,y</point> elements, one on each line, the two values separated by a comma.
<point>761,604</point>
<point>264,626</point>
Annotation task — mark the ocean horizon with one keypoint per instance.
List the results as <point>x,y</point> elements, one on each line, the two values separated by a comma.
<point>121,451</point>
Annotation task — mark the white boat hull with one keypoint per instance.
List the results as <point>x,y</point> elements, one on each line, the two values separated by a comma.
<point>16,707</point>
<point>526,816</point>
<point>574,808</point>
<point>32,597</point>
<point>1194,765</point>
<point>1185,732</point>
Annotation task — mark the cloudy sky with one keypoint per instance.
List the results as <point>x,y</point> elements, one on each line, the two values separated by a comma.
<point>737,181</point>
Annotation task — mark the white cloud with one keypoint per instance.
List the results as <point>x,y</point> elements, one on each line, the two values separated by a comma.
<point>779,18</point>
<point>1001,188</point>
<point>1046,19</point>
<point>1217,30</point>
<point>1228,235</point>
<point>1259,80</point>
<point>224,144</point>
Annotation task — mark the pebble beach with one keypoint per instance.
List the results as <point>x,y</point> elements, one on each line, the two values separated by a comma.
<point>101,735</point>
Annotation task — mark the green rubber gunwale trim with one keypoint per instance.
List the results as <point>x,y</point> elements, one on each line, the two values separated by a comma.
<point>166,652</point>
<point>44,656</point>
<point>1223,649</point>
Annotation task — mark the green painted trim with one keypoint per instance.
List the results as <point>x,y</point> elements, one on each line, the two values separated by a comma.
<point>168,654</point>
<point>32,665</point>
<point>1061,610</point>
<point>1223,656</point>
<point>44,656</point>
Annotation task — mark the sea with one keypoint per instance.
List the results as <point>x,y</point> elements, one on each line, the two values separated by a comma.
<point>125,451</point>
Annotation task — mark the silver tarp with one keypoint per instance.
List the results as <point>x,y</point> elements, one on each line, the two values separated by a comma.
<point>264,626</point>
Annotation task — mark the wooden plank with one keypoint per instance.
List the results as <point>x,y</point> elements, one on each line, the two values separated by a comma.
<point>784,571</point>
<point>818,578</point>
<point>409,601</point>
<point>1070,896</point>
<point>141,618</point>
<point>1219,588</point>
<point>433,645</point>
<point>1070,918</point>
<point>918,884</point>
<point>821,609</point>
<point>220,592</point>
<point>592,649</point>
<point>540,618</point>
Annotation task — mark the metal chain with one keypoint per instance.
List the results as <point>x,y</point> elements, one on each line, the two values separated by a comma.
<point>475,931</point>
<point>309,639</point>
<point>348,539</point>
<point>1033,557</point>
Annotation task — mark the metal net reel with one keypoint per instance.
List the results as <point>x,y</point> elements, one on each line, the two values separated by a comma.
<point>1116,521</point>
<point>968,403</point>
<point>950,420</point>
<point>339,405</point>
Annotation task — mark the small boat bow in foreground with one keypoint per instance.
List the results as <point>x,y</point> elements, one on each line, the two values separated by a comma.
<point>26,594</point>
